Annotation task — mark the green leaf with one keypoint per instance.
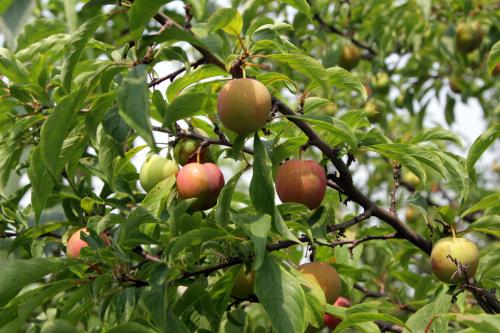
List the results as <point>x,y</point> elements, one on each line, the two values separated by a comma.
<point>337,128</point>
<point>140,13</point>
<point>188,105</point>
<point>156,198</point>
<point>195,238</point>
<point>14,18</point>
<point>41,182</point>
<point>436,134</point>
<point>362,317</point>
<point>281,296</point>
<point>483,142</point>
<point>57,126</point>
<point>4,5</point>
<point>73,50</point>
<point>131,327</point>
<point>344,80</point>
<point>11,67</point>
<point>261,185</point>
<point>491,200</point>
<point>222,213</point>
<point>313,103</point>
<point>493,57</point>
<point>418,321</point>
<point>228,19</point>
<point>57,326</point>
<point>17,274</point>
<point>203,72</point>
<point>480,322</point>
<point>133,102</point>
<point>301,5</point>
<point>488,224</point>
<point>306,65</point>
<point>257,228</point>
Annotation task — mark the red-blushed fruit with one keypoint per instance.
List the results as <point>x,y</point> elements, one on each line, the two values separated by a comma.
<point>469,36</point>
<point>325,276</point>
<point>244,105</point>
<point>201,181</point>
<point>156,169</point>
<point>496,70</point>
<point>349,56</point>
<point>243,284</point>
<point>331,321</point>
<point>301,181</point>
<point>460,249</point>
<point>75,243</point>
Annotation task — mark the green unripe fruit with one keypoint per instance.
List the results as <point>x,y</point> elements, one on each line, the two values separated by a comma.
<point>411,179</point>
<point>373,114</point>
<point>243,284</point>
<point>156,169</point>
<point>456,84</point>
<point>469,36</point>
<point>185,151</point>
<point>400,101</point>
<point>349,56</point>
<point>244,105</point>
<point>381,82</point>
<point>462,250</point>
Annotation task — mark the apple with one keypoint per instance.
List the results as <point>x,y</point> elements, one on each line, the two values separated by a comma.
<point>469,36</point>
<point>156,169</point>
<point>324,276</point>
<point>75,243</point>
<point>185,151</point>
<point>349,56</point>
<point>301,181</point>
<point>460,249</point>
<point>201,181</point>
<point>243,284</point>
<point>331,321</point>
<point>244,105</point>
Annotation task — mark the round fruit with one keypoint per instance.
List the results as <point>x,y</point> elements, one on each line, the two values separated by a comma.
<point>243,284</point>
<point>156,169</point>
<point>244,105</point>
<point>349,56</point>
<point>301,181</point>
<point>496,70</point>
<point>186,149</point>
<point>411,214</point>
<point>381,82</point>
<point>462,250</point>
<point>411,179</point>
<point>201,181</point>
<point>469,36</point>
<point>456,84</point>
<point>75,243</point>
<point>325,276</point>
<point>373,114</point>
<point>400,101</point>
<point>331,321</point>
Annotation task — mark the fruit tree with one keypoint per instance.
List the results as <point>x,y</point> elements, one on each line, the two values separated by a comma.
<point>249,166</point>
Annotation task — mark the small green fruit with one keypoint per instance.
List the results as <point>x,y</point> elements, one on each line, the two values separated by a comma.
<point>462,250</point>
<point>349,56</point>
<point>469,36</point>
<point>186,149</point>
<point>381,83</point>
<point>243,284</point>
<point>156,169</point>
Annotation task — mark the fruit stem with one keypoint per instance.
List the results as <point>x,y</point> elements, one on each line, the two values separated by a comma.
<point>453,232</point>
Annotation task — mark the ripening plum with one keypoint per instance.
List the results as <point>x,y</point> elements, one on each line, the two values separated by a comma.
<point>460,249</point>
<point>324,276</point>
<point>156,169</point>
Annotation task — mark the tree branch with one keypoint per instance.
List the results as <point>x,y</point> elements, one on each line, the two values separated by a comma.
<point>173,75</point>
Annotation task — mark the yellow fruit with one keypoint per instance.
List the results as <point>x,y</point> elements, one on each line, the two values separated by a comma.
<point>325,276</point>
<point>461,249</point>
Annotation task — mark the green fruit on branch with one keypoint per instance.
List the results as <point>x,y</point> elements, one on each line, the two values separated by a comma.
<point>185,151</point>
<point>411,179</point>
<point>244,105</point>
<point>450,253</point>
<point>75,243</point>
<point>325,277</point>
<point>243,284</point>
<point>201,181</point>
<point>301,181</point>
<point>400,101</point>
<point>349,56</point>
<point>373,113</point>
<point>331,321</point>
<point>469,36</point>
<point>156,169</point>
<point>412,214</point>
<point>381,83</point>
<point>456,84</point>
